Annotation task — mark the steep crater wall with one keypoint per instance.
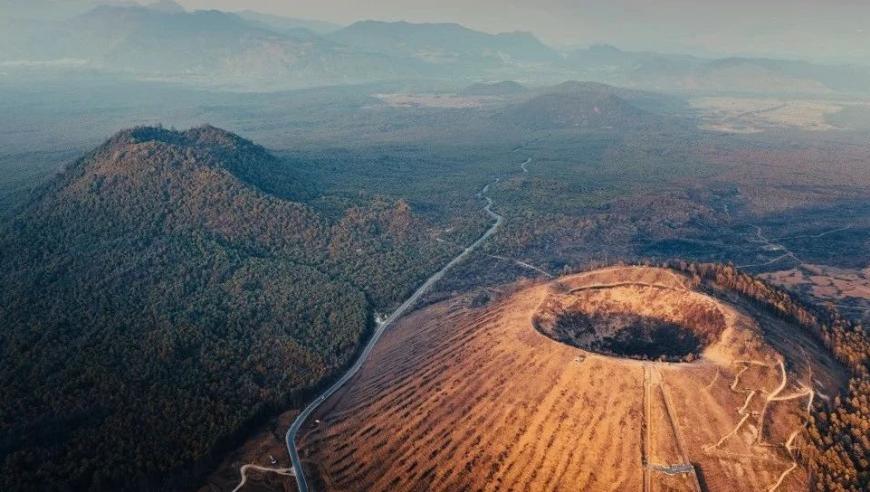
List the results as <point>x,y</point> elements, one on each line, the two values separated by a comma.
<point>635,320</point>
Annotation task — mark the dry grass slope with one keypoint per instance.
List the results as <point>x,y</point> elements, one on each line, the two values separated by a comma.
<point>462,398</point>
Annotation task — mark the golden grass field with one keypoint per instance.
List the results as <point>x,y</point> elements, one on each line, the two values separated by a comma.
<point>462,398</point>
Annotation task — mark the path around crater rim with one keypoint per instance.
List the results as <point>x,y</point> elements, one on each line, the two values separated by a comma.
<point>293,431</point>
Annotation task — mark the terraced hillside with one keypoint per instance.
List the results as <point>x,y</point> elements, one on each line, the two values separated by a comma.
<point>457,397</point>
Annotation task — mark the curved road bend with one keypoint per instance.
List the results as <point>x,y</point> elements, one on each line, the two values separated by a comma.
<point>524,164</point>
<point>244,471</point>
<point>398,313</point>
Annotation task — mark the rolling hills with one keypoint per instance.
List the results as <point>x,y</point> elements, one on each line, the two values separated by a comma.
<point>583,107</point>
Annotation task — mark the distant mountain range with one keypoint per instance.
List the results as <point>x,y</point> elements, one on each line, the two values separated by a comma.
<point>735,75</point>
<point>283,24</point>
<point>445,43</point>
<point>259,51</point>
<point>207,47</point>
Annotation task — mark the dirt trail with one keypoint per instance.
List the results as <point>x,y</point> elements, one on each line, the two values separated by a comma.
<point>726,436</point>
<point>772,247</point>
<point>287,472</point>
<point>523,264</point>
<point>790,449</point>
<point>647,428</point>
<point>773,396</point>
<point>761,111</point>
<point>686,466</point>
<point>652,376</point>
<point>737,378</point>
<point>623,284</point>
<point>742,410</point>
<point>715,378</point>
<point>524,164</point>
<point>787,253</point>
<point>815,236</point>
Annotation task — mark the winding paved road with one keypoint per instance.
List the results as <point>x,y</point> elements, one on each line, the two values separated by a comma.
<point>293,431</point>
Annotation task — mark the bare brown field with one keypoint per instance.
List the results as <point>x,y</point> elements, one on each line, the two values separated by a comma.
<point>753,115</point>
<point>462,398</point>
<point>848,289</point>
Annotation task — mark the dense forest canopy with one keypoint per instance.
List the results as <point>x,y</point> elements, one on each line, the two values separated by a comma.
<point>165,290</point>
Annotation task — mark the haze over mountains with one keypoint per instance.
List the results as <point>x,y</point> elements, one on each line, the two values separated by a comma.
<point>187,310</point>
<point>249,50</point>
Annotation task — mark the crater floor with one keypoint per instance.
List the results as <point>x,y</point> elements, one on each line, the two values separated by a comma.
<point>640,320</point>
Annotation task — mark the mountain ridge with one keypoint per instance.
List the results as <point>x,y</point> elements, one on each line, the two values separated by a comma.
<point>249,50</point>
<point>441,42</point>
<point>159,275</point>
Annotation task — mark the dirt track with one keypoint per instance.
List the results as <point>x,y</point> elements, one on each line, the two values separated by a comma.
<point>244,472</point>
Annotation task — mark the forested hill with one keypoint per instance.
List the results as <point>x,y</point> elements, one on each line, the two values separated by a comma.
<point>164,291</point>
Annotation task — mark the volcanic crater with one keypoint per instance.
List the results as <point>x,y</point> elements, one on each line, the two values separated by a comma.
<point>633,319</point>
<point>622,378</point>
